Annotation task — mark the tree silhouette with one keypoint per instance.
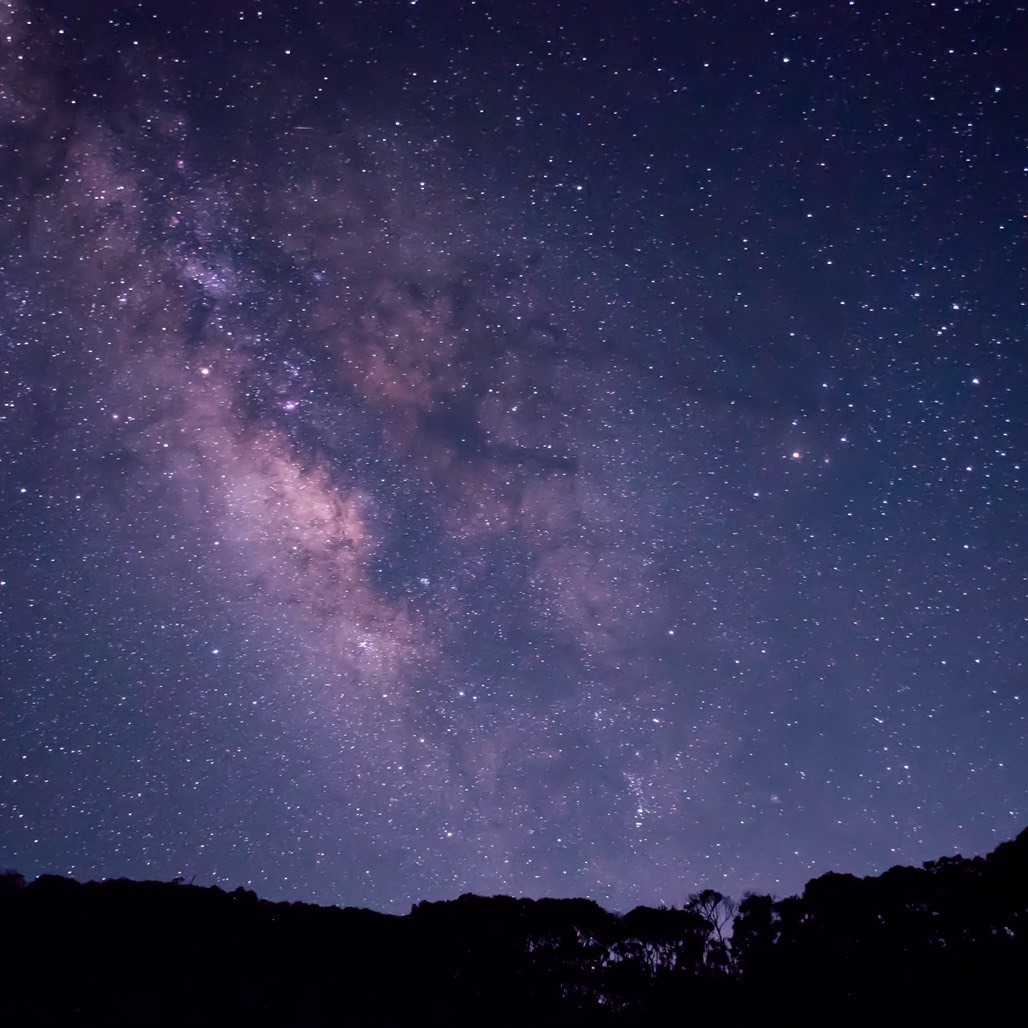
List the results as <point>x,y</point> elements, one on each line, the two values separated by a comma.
<point>160,953</point>
<point>754,932</point>
<point>717,912</point>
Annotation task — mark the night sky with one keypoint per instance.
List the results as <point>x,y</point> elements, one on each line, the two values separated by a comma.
<point>545,448</point>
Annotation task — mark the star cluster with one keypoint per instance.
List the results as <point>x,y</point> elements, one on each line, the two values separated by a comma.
<point>456,447</point>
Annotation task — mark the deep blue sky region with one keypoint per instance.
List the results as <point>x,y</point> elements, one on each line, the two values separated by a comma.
<point>532,448</point>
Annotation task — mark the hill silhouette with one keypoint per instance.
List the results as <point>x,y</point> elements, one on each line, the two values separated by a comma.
<point>921,942</point>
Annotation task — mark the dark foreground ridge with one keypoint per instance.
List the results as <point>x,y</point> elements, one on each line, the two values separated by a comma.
<point>930,941</point>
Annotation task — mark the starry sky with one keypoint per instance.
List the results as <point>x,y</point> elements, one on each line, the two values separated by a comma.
<point>529,448</point>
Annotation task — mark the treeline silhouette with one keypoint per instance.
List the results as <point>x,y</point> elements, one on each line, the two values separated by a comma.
<point>911,943</point>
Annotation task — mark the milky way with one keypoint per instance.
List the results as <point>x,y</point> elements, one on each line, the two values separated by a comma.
<point>456,450</point>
